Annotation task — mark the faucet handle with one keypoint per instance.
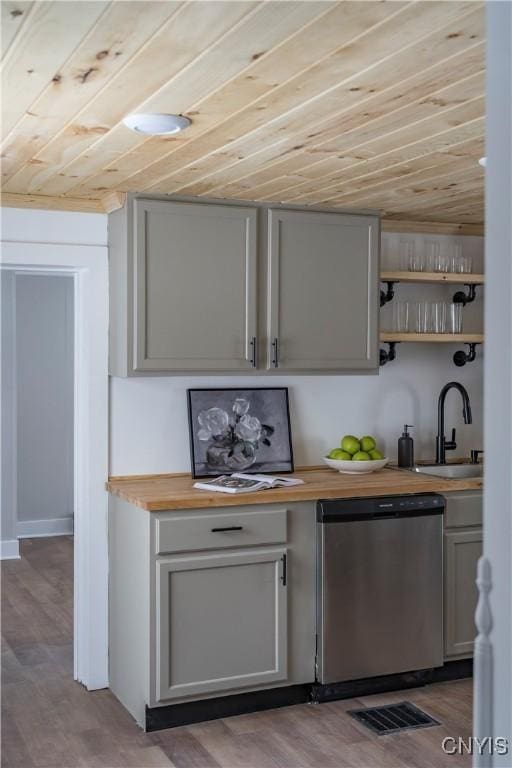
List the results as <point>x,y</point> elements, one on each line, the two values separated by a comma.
<point>474,456</point>
<point>451,445</point>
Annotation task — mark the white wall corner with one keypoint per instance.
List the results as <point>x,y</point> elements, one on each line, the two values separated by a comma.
<point>10,550</point>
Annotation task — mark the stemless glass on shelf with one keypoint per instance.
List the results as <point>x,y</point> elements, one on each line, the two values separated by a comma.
<point>455,318</point>
<point>459,262</point>
<point>401,320</point>
<point>429,317</point>
<point>407,248</point>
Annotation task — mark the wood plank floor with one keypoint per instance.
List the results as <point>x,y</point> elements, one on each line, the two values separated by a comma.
<point>49,721</point>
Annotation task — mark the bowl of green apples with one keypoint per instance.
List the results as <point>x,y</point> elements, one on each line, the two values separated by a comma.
<point>356,456</point>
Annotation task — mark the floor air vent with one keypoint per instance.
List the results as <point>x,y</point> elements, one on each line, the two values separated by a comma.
<point>393,718</point>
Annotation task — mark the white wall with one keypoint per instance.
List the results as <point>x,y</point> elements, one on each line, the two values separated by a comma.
<point>44,403</point>
<point>148,416</point>
<point>149,427</point>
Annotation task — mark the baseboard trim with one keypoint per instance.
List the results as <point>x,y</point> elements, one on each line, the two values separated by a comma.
<point>174,715</point>
<point>10,550</point>
<point>32,529</point>
<point>352,689</point>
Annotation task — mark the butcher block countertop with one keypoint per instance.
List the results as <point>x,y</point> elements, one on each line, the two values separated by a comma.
<point>160,492</point>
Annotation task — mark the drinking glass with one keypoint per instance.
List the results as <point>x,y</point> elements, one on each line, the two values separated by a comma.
<point>439,309</point>
<point>423,317</point>
<point>432,257</point>
<point>460,262</point>
<point>406,254</point>
<point>466,264</point>
<point>455,262</point>
<point>401,316</point>
<point>455,318</point>
<point>416,260</point>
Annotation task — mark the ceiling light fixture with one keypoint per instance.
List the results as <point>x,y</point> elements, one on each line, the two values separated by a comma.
<point>154,124</point>
<point>483,162</point>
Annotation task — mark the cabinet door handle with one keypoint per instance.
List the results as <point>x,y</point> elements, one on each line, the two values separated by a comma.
<point>284,571</point>
<point>228,528</point>
<point>275,347</point>
<point>253,351</point>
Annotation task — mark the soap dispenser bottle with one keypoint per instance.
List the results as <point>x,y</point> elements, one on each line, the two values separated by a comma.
<point>406,448</point>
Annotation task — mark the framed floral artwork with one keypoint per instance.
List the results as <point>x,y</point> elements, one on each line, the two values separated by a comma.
<point>239,430</point>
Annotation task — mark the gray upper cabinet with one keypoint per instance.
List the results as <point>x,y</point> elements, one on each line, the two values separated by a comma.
<point>184,292</point>
<point>323,291</point>
<point>194,286</point>
<point>183,287</point>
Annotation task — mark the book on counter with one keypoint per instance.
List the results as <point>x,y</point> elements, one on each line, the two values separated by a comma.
<point>242,483</point>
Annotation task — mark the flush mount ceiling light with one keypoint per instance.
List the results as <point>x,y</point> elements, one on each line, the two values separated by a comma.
<point>482,162</point>
<point>153,124</point>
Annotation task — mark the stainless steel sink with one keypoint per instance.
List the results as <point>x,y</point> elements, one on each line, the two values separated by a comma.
<point>451,471</point>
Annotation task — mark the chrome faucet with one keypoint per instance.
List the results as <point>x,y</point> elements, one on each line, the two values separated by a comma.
<point>442,444</point>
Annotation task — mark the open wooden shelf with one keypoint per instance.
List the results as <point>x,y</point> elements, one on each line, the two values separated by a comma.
<point>446,338</point>
<point>457,278</point>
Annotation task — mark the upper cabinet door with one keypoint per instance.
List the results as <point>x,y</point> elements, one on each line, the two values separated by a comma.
<point>194,287</point>
<point>323,274</point>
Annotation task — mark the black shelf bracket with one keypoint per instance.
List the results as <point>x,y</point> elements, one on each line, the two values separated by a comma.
<point>465,298</point>
<point>387,357</point>
<point>389,294</point>
<point>460,358</point>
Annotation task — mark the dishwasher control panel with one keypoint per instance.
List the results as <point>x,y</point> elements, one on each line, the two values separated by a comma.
<point>337,510</point>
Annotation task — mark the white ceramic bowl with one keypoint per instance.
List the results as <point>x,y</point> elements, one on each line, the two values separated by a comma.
<point>355,467</point>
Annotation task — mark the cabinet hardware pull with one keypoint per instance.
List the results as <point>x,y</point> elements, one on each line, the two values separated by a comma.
<point>253,351</point>
<point>228,528</point>
<point>283,574</point>
<point>275,347</point>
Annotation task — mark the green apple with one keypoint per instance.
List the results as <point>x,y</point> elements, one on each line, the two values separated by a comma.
<point>339,455</point>
<point>375,455</point>
<point>350,444</point>
<point>368,443</point>
<point>361,456</point>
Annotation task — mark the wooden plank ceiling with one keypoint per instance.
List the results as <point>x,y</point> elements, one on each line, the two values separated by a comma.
<point>343,104</point>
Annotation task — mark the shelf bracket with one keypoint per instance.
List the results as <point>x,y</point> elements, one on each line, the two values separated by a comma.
<point>465,298</point>
<point>460,358</point>
<point>389,294</point>
<point>387,357</point>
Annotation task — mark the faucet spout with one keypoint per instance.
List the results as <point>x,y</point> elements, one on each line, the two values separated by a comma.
<point>442,445</point>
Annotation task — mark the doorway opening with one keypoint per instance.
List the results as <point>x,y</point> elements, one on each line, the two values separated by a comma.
<point>74,420</point>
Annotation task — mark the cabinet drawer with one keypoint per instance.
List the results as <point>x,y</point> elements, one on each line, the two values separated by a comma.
<point>463,509</point>
<point>194,532</point>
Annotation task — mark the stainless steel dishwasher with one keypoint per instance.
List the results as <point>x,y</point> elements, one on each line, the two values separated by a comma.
<point>380,586</point>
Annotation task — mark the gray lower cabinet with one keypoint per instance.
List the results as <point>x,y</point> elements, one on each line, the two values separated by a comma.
<point>322,291</point>
<point>462,552</point>
<point>221,622</point>
<point>463,540</point>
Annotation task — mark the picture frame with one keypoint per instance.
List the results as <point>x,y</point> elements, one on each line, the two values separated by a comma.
<point>239,429</point>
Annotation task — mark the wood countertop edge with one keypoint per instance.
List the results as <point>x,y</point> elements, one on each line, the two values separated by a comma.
<point>142,490</point>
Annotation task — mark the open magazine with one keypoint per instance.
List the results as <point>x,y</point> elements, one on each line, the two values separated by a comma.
<point>241,483</point>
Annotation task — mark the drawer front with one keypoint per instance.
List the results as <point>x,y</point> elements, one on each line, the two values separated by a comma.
<point>200,531</point>
<point>463,509</point>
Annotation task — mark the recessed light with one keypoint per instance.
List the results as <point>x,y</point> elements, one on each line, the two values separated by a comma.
<point>153,124</point>
<point>483,162</point>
